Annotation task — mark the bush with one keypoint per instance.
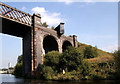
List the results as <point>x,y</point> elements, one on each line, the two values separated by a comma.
<point>117,59</point>
<point>46,72</point>
<point>84,68</point>
<point>90,52</point>
<point>18,70</point>
<point>52,59</point>
<point>70,59</point>
<point>96,77</point>
<point>117,63</point>
<point>19,59</point>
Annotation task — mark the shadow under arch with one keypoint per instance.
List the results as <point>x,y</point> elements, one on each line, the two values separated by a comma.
<point>50,44</point>
<point>65,45</point>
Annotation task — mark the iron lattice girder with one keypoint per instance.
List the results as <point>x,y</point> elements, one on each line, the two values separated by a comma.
<point>15,14</point>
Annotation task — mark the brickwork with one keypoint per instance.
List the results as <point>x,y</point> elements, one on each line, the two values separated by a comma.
<point>34,42</point>
<point>40,33</point>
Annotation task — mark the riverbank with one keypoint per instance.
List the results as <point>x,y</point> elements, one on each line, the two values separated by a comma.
<point>75,64</point>
<point>12,79</point>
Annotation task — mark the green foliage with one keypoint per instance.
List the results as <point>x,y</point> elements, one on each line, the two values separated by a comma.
<point>71,59</point>
<point>84,68</point>
<point>73,75</point>
<point>52,28</point>
<point>117,63</point>
<point>117,59</point>
<point>18,70</point>
<point>90,52</point>
<point>103,70</point>
<point>46,72</point>
<point>11,68</point>
<point>18,67</point>
<point>76,66</point>
<point>96,77</point>
<point>52,59</point>
<point>19,60</point>
<point>81,47</point>
<point>45,24</point>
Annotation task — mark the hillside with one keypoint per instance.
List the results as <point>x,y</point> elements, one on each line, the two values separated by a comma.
<point>102,66</point>
<point>102,55</point>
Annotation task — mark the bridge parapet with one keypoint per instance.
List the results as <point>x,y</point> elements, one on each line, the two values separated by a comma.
<point>14,14</point>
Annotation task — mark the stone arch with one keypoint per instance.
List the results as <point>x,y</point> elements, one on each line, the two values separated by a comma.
<point>50,43</point>
<point>65,45</point>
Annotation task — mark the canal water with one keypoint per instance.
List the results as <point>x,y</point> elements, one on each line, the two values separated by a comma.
<point>11,79</point>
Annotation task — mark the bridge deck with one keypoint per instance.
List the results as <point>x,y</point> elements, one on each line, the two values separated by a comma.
<point>14,14</point>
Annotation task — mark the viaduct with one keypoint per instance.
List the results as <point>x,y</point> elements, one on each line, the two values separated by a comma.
<point>35,36</point>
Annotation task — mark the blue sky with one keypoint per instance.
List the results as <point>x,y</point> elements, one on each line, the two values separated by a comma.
<point>95,23</point>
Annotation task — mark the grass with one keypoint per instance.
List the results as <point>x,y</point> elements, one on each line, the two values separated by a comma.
<point>103,56</point>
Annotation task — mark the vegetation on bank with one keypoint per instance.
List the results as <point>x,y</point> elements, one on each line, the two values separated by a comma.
<point>18,67</point>
<point>83,62</point>
<point>68,65</point>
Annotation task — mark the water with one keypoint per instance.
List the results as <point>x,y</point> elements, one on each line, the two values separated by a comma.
<point>11,79</point>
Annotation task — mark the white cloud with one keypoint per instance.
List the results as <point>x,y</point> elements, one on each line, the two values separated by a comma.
<point>110,48</point>
<point>52,19</point>
<point>67,2</point>
<point>71,1</point>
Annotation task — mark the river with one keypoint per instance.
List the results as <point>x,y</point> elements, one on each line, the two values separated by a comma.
<point>11,79</point>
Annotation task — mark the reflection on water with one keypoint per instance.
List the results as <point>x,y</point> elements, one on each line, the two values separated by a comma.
<point>10,79</point>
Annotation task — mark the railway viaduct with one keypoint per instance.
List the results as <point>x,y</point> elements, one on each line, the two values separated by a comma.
<point>36,37</point>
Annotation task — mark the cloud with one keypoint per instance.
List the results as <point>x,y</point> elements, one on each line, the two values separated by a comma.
<point>107,42</point>
<point>71,1</point>
<point>52,19</point>
<point>110,48</point>
<point>67,2</point>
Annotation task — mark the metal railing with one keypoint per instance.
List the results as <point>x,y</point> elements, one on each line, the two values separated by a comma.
<point>17,15</point>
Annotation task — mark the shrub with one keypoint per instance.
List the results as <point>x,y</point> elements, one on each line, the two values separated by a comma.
<point>84,68</point>
<point>52,59</point>
<point>96,77</point>
<point>19,59</point>
<point>90,52</point>
<point>117,63</point>
<point>47,72</point>
<point>117,59</point>
<point>18,70</point>
<point>70,59</point>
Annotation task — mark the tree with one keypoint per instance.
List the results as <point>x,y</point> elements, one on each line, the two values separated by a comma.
<point>18,67</point>
<point>90,52</point>
<point>117,62</point>
<point>18,70</point>
<point>52,59</point>
<point>71,59</point>
<point>19,60</point>
<point>52,28</point>
<point>45,24</point>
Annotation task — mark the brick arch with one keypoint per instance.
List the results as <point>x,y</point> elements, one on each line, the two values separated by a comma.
<point>50,35</point>
<point>50,43</point>
<point>65,44</point>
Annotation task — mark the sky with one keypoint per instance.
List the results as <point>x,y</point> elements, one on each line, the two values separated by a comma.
<point>94,23</point>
